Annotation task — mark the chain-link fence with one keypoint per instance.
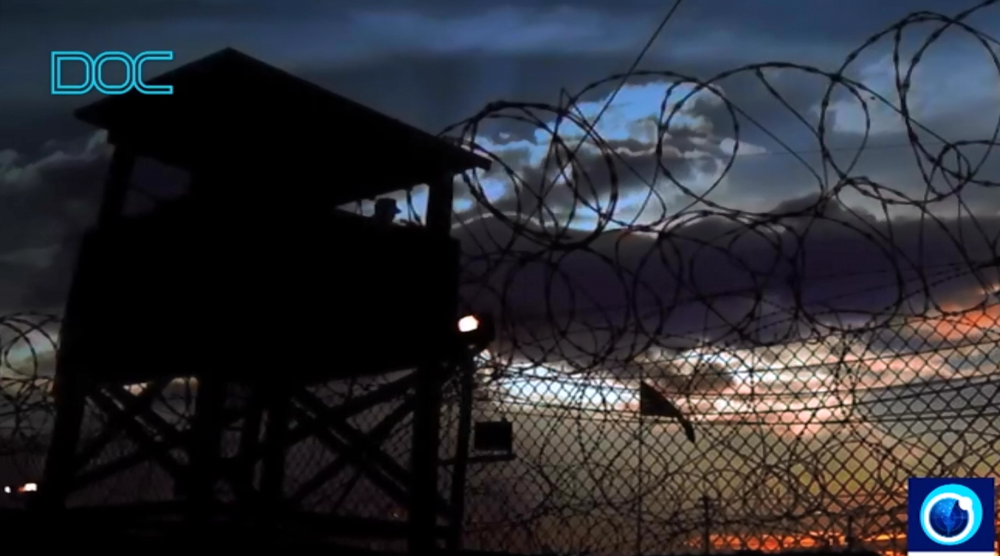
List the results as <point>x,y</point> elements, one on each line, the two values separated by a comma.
<point>804,445</point>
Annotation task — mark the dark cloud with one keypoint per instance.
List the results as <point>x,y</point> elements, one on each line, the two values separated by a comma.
<point>715,277</point>
<point>788,17</point>
<point>432,88</point>
<point>377,51</point>
<point>45,203</point>
<point>624,168</point>
<point>118,11</point>
<point>445,89</point>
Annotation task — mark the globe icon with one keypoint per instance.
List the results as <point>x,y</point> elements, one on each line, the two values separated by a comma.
<point>948,518</point>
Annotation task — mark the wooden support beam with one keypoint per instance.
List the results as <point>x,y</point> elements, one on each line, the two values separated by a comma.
<point>70,386</point>
<point>377,436</point>
<point>427,415</point>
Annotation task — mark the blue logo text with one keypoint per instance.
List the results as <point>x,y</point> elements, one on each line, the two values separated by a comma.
<point>94,65</point>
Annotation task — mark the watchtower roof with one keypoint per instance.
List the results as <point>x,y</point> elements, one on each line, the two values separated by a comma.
<point>231,110</point>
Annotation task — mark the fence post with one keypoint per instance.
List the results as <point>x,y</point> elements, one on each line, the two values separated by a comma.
<point>706,506</point>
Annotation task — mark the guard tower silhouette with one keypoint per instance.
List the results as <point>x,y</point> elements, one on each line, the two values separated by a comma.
<point>254,281</point>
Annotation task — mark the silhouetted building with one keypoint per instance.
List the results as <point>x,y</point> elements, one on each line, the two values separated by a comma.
<point>252,281</point>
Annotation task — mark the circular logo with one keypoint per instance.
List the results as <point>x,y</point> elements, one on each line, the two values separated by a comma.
<point>951,514</point>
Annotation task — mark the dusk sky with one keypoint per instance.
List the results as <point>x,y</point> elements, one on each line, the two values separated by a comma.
<point>434,63</point>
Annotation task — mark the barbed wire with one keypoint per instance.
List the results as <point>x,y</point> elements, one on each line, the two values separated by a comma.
<point>814,390</point>
<point>811,412</point>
